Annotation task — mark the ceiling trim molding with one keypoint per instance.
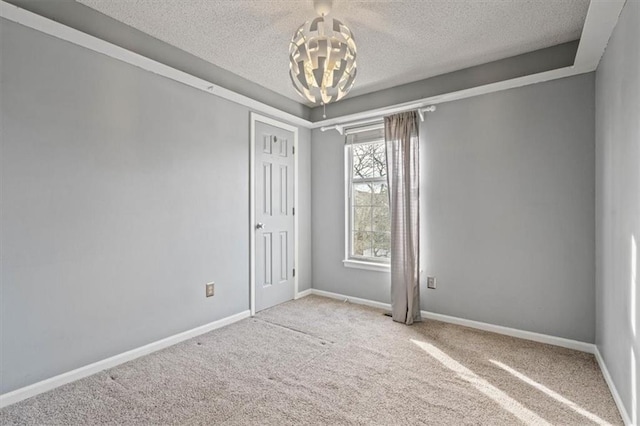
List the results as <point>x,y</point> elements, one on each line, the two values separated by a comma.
<point>45,25</point>
<point>600,22</point>
<point>535,62</point>
<point>602,17</point>
<point>345,120</point>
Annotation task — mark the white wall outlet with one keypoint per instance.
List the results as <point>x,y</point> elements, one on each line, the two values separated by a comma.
<point>210,289</point>
<point>431,282</point>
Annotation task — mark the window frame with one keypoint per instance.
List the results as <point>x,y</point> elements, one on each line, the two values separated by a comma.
<point>353,261</point>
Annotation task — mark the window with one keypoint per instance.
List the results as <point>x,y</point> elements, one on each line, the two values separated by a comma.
<point>368,228</point>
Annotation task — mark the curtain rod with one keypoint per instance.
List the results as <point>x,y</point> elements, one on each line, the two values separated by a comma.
<point>341,127</point>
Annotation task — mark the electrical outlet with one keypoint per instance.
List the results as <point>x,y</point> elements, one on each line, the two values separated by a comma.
<point>210,289</point>
<point>431,282</point>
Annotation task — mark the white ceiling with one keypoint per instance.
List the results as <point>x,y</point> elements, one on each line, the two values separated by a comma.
<point>398,41</point>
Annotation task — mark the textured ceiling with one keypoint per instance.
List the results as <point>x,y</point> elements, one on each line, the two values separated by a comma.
<point>398,41</point>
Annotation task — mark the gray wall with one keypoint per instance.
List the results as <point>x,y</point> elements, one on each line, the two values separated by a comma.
<point>327,210</point>
<point>618,206</point>
<point>122,194</point>
<point>559,56</point>
<point>90,21</point>
<point>305,264</point>
<point>508,210</point>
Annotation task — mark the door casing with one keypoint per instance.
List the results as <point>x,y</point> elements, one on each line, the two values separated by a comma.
<point>254,117</point>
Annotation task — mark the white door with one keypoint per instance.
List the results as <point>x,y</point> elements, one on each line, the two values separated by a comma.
<point>274,204</point>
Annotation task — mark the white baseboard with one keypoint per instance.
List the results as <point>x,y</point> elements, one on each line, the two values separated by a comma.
<point>626,418</point>
<point>514,332</point>
<point>527,335</point>
<point>79,373</point>
<point>303,293</point>
<point>356,300</point>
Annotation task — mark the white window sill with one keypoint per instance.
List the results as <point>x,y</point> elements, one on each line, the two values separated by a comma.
<point>371,266</point>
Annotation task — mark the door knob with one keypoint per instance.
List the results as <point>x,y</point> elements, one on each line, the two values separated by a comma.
<point>260,226</point>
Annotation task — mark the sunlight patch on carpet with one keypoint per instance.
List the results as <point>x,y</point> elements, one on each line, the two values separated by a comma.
<point>505,401</point>
<point>575,407</point>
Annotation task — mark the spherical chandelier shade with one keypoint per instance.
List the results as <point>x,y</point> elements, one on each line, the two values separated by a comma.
<point>322,60</point>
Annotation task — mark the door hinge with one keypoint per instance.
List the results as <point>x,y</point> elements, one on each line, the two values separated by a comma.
<point>293,211</point>
<point>294,272</point>
<point>293,150</point>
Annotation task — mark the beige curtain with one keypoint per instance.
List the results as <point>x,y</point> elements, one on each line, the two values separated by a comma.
<point>401,136</point>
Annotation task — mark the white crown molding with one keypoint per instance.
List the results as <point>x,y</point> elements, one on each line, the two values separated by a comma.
<point>601,19</point>
<point>82,372</point>
<point>453,96</point>
<point>29,19</point>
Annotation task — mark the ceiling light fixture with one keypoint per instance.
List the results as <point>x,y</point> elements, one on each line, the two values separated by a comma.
<point>322,57</point>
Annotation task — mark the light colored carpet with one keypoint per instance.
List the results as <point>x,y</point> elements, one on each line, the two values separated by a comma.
<point>321,361</point>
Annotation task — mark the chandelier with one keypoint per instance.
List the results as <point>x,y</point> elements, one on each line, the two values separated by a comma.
<point>322,57</point>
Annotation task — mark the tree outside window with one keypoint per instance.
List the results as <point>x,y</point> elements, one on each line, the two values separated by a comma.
<point>370,227</point>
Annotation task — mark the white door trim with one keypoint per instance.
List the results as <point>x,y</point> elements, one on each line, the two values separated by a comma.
<point>252,204</point>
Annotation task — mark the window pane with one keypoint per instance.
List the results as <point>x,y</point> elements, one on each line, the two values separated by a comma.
<point>381,220</point>
<point>362,244</point>
<point>380,194</point>
<point>362,218</point>
<point>362,194</point>
<point>369,218</point>
<point>380,159</point>
<point>369,160</point>
<point>381,244</point>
